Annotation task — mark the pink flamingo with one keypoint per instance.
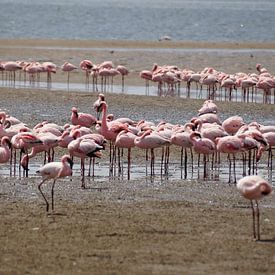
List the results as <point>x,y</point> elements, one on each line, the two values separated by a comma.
<point>246,83</point>
<point>97,138</point>
<point>83,119</point>
<point>208,107</point>
<point>49,68</point>
<point>261,69</point>
<point>209,118</point>
<point>24,141</point>
<point>84,148</point>
<point>97,104</point>
<point>228,82</point>
<point>230,145</point>
<point>151,140</point>
<point>11,67</point>
<point>210,80</point>
<point>210,130</point>
<point>106,73</point>
<point>192,77</point>
<point>254,188</point>
<point>270,138</point>
<point>68,67</point>
<point>232,124</point>
<point>54,170</point>
<point>123,71</point>
<point>5,151</point>
<point>181,137</point>
<point>110,131</point>
<point>49,141</point>
<point>266,84</point>
<point>86,65</point>
<point>33,69</point>
<point>65,139</point>
<point>147,75</point>
<point>203,146</point>
<point>126,139</point>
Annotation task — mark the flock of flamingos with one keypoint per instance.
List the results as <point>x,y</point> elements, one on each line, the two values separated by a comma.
<point>87,135</point>
<point>218,85</point>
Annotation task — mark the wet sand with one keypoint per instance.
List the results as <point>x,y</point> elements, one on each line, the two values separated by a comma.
<point>141,226</point>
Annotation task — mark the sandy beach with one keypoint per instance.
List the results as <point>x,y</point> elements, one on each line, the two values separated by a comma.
<point>144,225</point>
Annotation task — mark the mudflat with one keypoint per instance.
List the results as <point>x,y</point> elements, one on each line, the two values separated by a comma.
<point>144,225</point>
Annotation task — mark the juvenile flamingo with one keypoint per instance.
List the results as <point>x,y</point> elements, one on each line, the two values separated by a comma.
<point>254,188</point>
<point>54,170</point>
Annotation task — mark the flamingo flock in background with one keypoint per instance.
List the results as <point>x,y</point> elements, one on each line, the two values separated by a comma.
<point>106,71</point>
<point>217,84</point>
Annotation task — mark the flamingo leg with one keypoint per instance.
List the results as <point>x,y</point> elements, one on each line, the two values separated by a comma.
<point>129,162</point>
<point>253,217</point>
<point>53,194</point>
<point>82,173</point>
<point>258,220</point>
<point>229,178</point>
<point>39,188</point>
<point>185,163</point>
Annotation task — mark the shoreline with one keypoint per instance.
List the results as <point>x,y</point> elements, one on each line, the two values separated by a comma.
<point>136,44</point>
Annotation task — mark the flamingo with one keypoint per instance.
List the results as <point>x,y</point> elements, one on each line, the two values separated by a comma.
<point>5,149</point>
<point>126,139</point>
<point>97,104</point>
<point>123,71</point>
<point>12,67</point>
<point>86,65</point>
<point>254,188</point>
<point>24,141</point>
<point>230,145</point>
<point>49,68</point>
<point>54,170</point>
<point>203,146</point>
<point>181,137</point>
<point>147,75</point>
<point>83,119</point>
<point>84,148</point>
<point>68,67</point>
<point>110,130</point>
<point>208,107</point>
<point>151,140</point>
<point>232,124</point>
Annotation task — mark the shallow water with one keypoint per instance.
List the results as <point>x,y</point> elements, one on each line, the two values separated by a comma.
<point>142,171</point>
<point>152,90</point>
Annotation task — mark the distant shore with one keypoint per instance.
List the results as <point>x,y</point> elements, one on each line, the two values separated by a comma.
<point>134,44</point>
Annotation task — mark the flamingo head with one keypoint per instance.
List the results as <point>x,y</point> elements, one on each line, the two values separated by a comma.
<point>74,110</point>
<point>265,188</point>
